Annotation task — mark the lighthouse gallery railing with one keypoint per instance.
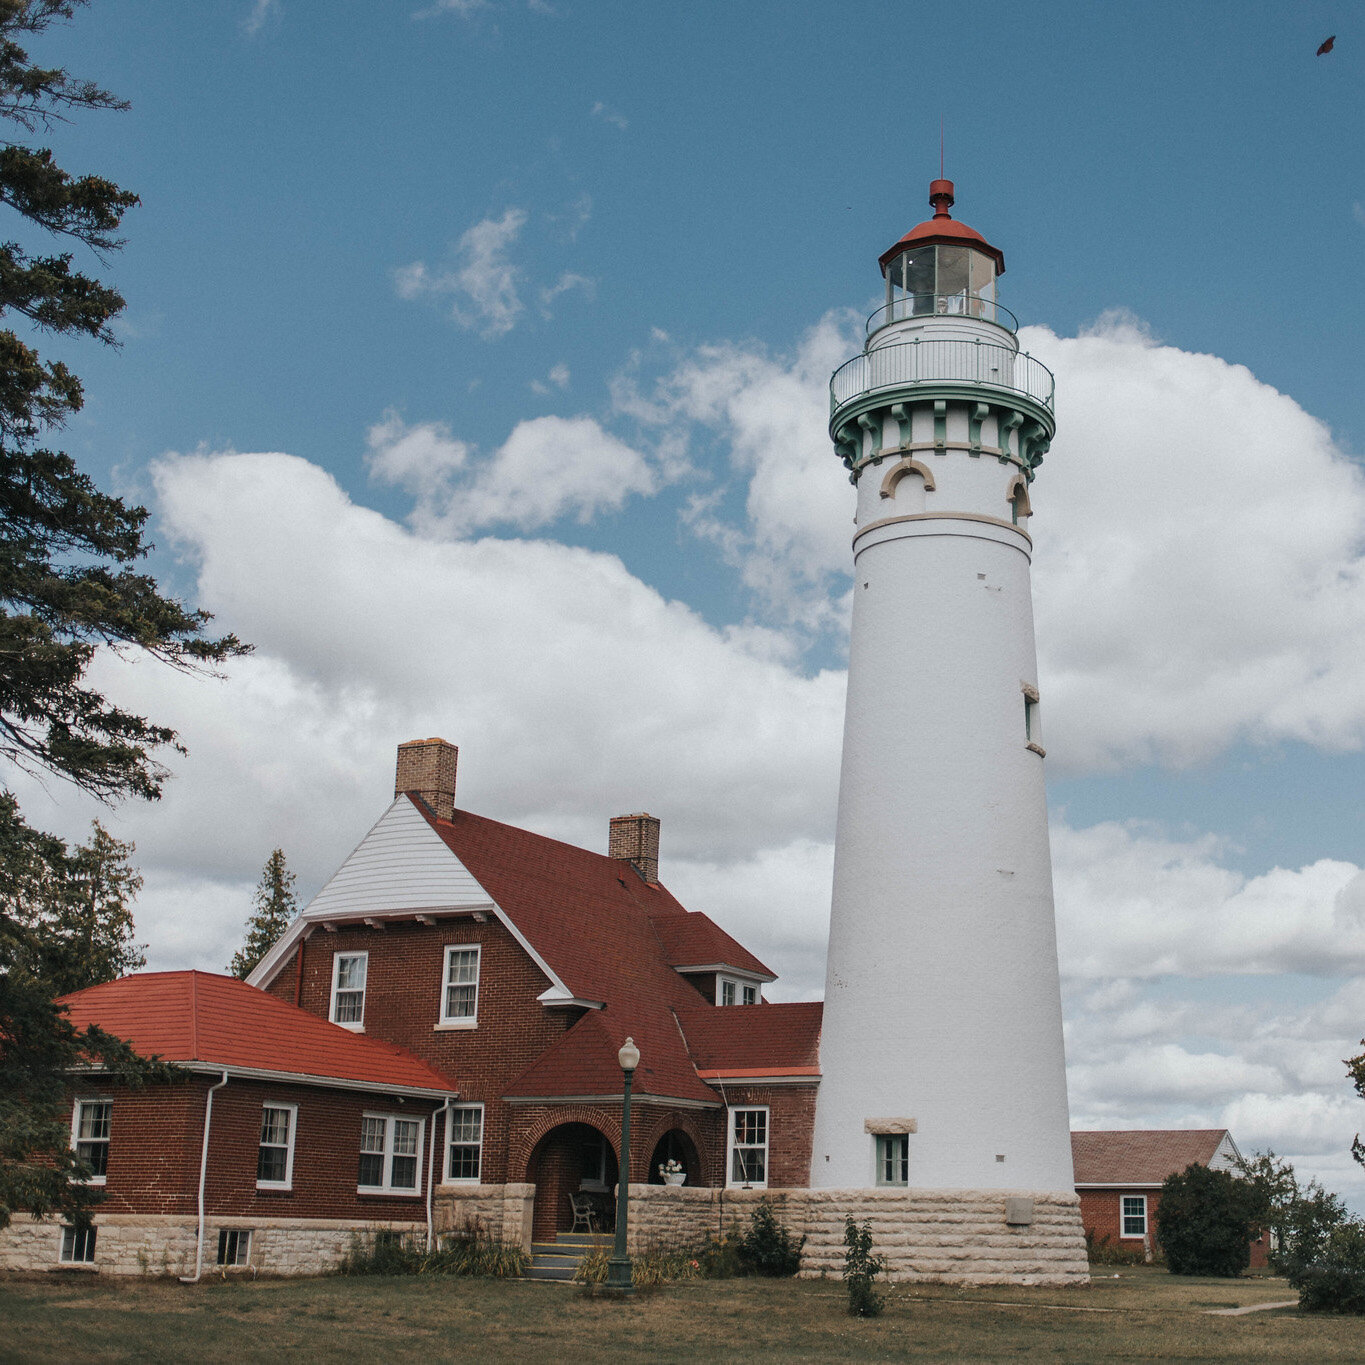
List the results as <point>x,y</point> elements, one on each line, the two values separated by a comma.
<point>941,361</point>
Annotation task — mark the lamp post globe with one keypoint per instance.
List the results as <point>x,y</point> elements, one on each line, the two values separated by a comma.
<point>619,1268</point>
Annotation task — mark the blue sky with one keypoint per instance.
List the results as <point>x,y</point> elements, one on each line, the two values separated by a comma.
<point>414,259</point>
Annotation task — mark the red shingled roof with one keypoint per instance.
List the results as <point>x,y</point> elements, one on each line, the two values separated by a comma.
<point>693,939</point>
<point>610,936</point>
<point>766,1040</point>
<point>1140,1156</point>
<point>220,1021</point>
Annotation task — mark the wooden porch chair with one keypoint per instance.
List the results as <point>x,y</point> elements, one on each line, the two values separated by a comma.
<point>584,1212</point>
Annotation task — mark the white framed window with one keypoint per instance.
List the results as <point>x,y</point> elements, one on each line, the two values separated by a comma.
<point>460,987</point>
<point>464,1149</point>
<point>748,1163</point>
<point>90,1136</point>
<point>234,1246</point>
<point>390,1155</point>
<point>735,992</point>
<point>893,1159</point>
<point>275,1157</point>
<point>1133,1215</point>
<point>348,989</point>
<point>78,1245</point>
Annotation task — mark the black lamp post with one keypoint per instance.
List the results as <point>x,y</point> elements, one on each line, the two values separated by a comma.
<point>618,1268</point>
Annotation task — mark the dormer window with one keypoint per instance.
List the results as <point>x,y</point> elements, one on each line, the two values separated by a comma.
<point>348,989</point>
<point>732,991</point>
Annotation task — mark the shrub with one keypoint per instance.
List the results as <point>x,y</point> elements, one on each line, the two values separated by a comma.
<point>648,1269</point>
<point>861,1267</point>
<point>1102,1251</point>
<point>472,1252</point>
<point>767,1247</point>
<point>1204,1223</point>
<point>1333,1281</point>
<point>719,1259</point>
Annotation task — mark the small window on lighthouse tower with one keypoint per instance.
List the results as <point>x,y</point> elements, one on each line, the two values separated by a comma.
<point>1033,731</point>
<point>893,1159</point>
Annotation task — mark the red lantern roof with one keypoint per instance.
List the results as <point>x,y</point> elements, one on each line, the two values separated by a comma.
<point>943,229</point>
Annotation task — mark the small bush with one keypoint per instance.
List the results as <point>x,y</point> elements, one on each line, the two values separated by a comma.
<point>471,1252</point>
<point>1102,1251</point>
<point>649,1269</point>
<point>767,1247</point>
<point>719,1259</point>
<point>861,1267</point>
<point>1334,1281</point>
<point>1204,1222</point>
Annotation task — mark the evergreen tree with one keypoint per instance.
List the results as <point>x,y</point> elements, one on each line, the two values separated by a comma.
<point>69,585</point>
<point>276,904</point>
<point>1205,1221</point>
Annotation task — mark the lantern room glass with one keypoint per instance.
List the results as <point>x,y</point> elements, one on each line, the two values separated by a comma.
<point>942,279</point>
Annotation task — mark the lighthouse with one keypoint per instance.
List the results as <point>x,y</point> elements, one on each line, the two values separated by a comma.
<point>941,1049</point>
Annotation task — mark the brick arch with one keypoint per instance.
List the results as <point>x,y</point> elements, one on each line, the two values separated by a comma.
<point>523,1144</point>
<point>689,1127</point>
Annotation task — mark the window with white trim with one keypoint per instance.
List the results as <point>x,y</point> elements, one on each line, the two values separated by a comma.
<point>78,1245</point>
<point>390,1154</point>
<point>90,1136</point>
<point>464,1150</point>
<point>460,995</point>
<point>275,1157</point>
<point>1133,1215</point>
<point>748,1163</point>
<point>348,989</point>
<point>893,1159</point>
<point>234,1246</point>
<point>735,992</point>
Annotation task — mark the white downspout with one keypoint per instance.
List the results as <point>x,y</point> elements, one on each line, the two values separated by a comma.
<point>203,1176</point>
<point>444,1113</point>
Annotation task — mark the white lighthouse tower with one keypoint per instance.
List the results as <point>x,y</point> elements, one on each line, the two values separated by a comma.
<point>941,1050</point>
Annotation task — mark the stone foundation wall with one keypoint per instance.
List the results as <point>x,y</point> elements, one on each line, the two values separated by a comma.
<point>151,1244</point>
<point>951,1236</point>
<point>501,1211</point>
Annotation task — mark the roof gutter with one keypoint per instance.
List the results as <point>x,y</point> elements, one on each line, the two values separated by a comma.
<point>203,1177</point>
<point>251,1073</point>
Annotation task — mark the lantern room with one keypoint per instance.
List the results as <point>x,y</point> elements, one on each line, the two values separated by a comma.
<point>943,267</point>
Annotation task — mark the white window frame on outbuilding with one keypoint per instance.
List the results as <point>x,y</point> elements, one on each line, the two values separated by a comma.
<point>356,1025</point>
<point>464,1133</point>
<point>94,1134</point>
<point>734,1177</point>
<point>461,953</point>
<point>1138,1213</point>
<point>269,1130</point>
<point>387,1154</point>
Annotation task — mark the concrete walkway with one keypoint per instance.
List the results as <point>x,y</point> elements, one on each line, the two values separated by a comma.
<point>1250,1308</point>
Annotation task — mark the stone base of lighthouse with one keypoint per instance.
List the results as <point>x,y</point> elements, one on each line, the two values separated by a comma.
<point>943,1236</point>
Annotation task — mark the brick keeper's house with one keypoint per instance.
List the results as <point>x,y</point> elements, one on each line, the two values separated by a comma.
<point>433,1044</point>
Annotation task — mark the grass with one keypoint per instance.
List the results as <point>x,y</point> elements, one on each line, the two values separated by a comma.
<point>1142,1314</point>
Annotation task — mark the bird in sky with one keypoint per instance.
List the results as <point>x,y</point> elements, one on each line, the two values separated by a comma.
<point>1327,46</point>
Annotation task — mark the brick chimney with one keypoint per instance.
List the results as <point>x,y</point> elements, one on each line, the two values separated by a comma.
<point>426,768</point>
<point>635,839</point>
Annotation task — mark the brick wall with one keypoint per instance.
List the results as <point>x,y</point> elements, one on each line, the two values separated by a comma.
<point>156,1137</point>
<point>791,1120</point>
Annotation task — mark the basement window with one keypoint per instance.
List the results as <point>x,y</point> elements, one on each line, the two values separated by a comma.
<point>234,1246</point>
<point>1133,1215</point>
<point>349,971</point>
<point>78,1245</point>
<point>390,1154</point>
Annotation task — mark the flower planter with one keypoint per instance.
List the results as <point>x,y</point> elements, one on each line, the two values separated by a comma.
<point>678,1179</point>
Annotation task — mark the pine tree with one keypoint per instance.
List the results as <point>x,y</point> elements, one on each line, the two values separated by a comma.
<point>69,585</point>
<point>276,904</point>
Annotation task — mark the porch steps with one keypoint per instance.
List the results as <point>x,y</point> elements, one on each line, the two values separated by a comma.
<point>559,1259</point>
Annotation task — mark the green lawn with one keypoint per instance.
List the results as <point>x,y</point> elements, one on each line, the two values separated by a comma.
<point>1145,1314</point>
